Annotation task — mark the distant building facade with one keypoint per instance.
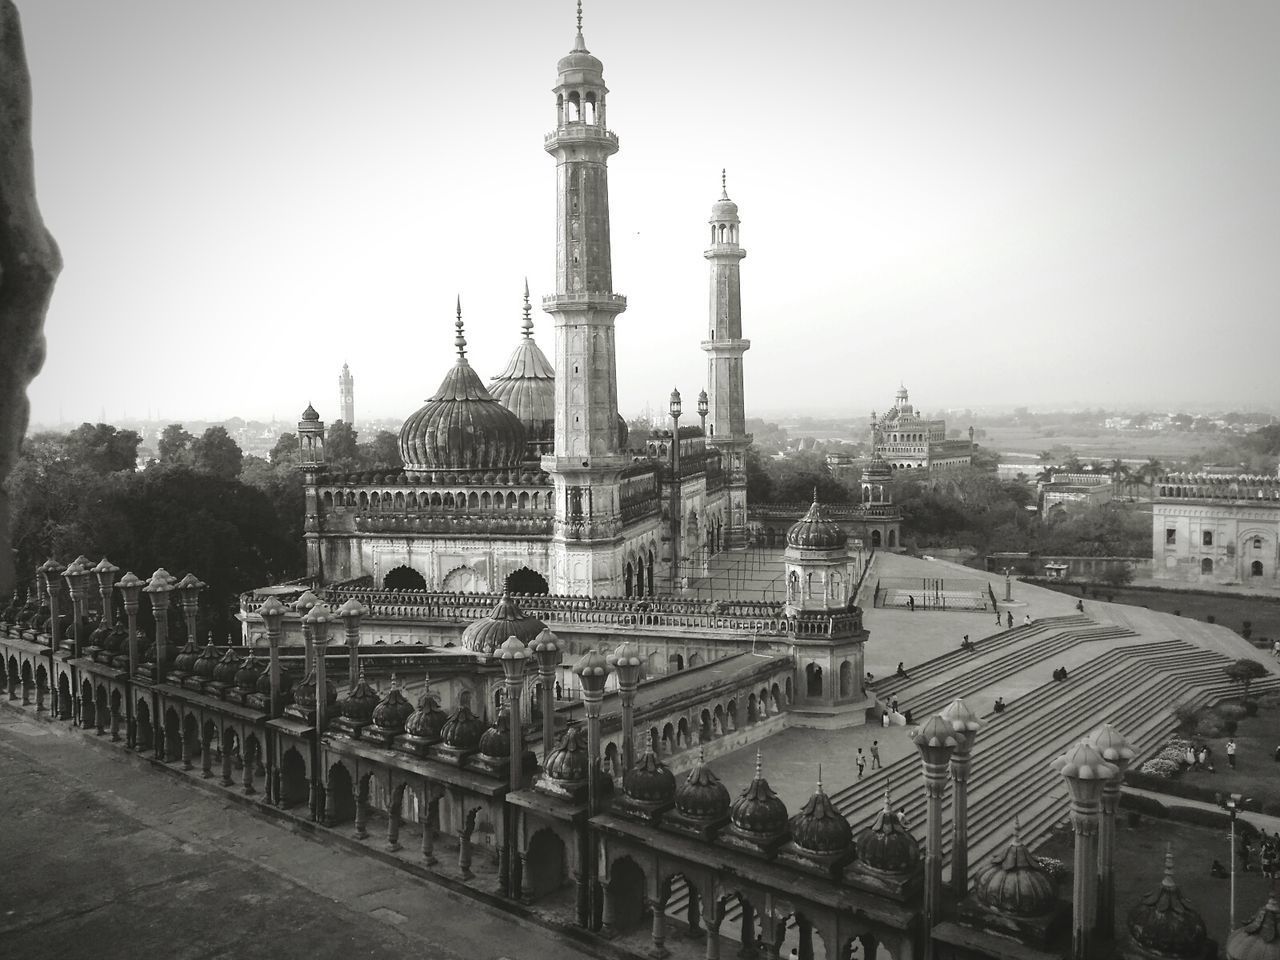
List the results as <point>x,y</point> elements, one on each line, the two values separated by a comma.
<point>907,441</point>
<point>346,396</point>
<point>1216,529</point>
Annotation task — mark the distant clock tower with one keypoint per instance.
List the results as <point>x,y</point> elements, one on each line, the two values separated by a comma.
<point>346,396</point>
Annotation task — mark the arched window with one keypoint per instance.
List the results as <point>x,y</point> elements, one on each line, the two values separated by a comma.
<point>813,680</point>
<point>1206,565</point>
<point>1255,568</point>
<point>589,108</point>
<point>575,108</point>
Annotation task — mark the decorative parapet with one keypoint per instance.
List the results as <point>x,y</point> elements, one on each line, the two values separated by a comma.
<point>1242,488</point>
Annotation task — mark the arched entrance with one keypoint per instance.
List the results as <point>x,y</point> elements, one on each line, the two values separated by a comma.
<point>340,796</point>
<point>813,680</point>
<point>293,778</point>
<point>404,578</point>
<point>846,679</point>
<point>465,580</point>
<point>1206,565</point>
<point>64,697</point>
<point>626,891</point>
<point>544,863</point>
<point>875,538</point>
<point>1255,568</point>
<point>528,581</point>
<point>172,735</point>
<point>145,732</point>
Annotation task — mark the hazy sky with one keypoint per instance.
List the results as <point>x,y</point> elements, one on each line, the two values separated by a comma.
<point>995,202</point>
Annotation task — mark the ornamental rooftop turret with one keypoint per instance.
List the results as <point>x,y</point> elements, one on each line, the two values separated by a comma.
<point>527,387</point>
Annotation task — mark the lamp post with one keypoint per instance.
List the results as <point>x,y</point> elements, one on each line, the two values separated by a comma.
<point>157,590</point>
<point>314,621</point>
<point>1115,749</point>
<point>514,657</point>
<point>105,572</point>
<point>1085,772</point>
<point>703,409</point>
<point>130,588</point>
<point>351,613</point>
<point>626,662</point>
<point>964,726</point>
<point>49,579</point>
<point>188,589</point>
<point>592,670</point>
<point>272,614</point>
<point>545,650</point>
<point>675,491</point>
<point>936,742</point>
<point>1233,809</point>
<point>302,606</point>
<point>79,578</point>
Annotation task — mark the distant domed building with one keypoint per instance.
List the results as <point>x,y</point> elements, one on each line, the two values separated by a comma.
<point>907,441</point>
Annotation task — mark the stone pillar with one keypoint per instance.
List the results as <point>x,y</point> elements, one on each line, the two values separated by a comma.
<point>362,811</point>
<point>393,828</point>
<point>627,662</point>
<point>964,727</point>
<point>693,915</point>
<point>1085,772</point>
<point>659,934</point>
<point>157,590</point>
<point>1115,749</point>
<point>582,897</point>
<point>607,929</point>
<point>805,931</point>
<point>39,697</point>
<point>526,880</point>
<point>248,772</point>
<point>935,742</point>
<point>748,933</point>
<point>713,941</point>
<point>428,828</point>
<point>188,751</point>
<point>464,856</point>
<point>227,779</point>
<point>206,759</point>
<point>351,613</point>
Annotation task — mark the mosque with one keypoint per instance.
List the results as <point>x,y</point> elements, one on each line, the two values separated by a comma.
<point>617,823</point>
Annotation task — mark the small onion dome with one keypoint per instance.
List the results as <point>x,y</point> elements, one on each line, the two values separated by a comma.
<point>649,781</point>
<point>506,620</point>
<point>527,386</point>
<point>878,471</point>
<point>226,669</point>
<point>99,636</point>
<point>461,427</point>
<point>496,741</point>
<point>1259,939</point>
<point>462,730</point>
<point>185,661</point>
<point>250,669</point>
<point>1164,923</point>
<point>117,640</point>
<point>887,845</point>
<point>305,696</point>
<point>702,796</point>
<point>310,414</point>
<point>758,810</point>
<point>426,721</point>
<point>360,701</point>
<point>264,680</point>
<point>814,531</point>
<point>394,710</point>
<point>724,208</point>
<point>1014,884</point>
<point>579,59</point>
<point>568,761</point>
<point>206,662</point>
<point>819,827</point>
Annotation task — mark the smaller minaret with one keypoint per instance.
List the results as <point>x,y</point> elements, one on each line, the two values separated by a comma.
<point>311,462</point>
<point>346,396</point>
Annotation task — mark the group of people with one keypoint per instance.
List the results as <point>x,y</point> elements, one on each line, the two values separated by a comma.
<point>1060,675</point>
<point>861,760</point>
<point>1269,855</point>
<point>1200,757</point>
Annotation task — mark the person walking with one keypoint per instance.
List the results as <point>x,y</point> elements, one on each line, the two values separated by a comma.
<point>911,603</point>
<point>1245,852</point>
<point>875,754</point>
<point>1010,615</point>
<point>1231,753</point>
<point>1275,649</point>
<point>1000,623</point>
<point>861,761</point>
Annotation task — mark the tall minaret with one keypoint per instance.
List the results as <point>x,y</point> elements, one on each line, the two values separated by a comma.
<point>587,463</point>
<point>346,396</point>
<point>727,418</point>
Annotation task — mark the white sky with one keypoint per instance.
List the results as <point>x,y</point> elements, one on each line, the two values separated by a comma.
<point>995,202</point>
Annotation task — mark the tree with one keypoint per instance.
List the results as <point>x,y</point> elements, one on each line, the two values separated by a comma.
<point>1244,671</point>
<point>174,444</point>
<point>340,445</point>
<point>103,448</point>
<point>382,451</point>
<point>285,451</point>
<point>1117,575</point>
<point>1120,474</point>
<point>217,454</point>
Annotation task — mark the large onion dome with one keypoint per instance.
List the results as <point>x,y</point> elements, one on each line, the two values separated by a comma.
<point>461,427</point>
<point>360,701</point>
<point>1162,922</point>
<point>649,780</point>
<point>393,711</point>
<point>495,742</point>
<point>579,60</point>
<point>206,662</point>
<point>1014,884</point>
<point>887,845</point>
<point>702,796</point>
<point>527,386</point>
<point>819,827</point>
<point>758,811</point>
<point>462,730</point>
<point>724,209</point>
<point>185,661</point>
<point>814,531</point>
<point>426,721</point>
<point>1259,939</point>
<point>310,414</point>
<point>506,620</point>
<point>878,471</point>
<point>250,669</point>
<point>227,668</point>
<point>568,761</point>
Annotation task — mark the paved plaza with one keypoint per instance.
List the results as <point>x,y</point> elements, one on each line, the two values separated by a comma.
<point>106,860</point>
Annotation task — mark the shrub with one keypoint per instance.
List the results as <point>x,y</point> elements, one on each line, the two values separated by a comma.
<point>1172,754</point>
<point>1209,727</point>
<point>1251,708</point>
<point>1231,710</point>
<point>1055,868</point>
<point>1211,619</point>
<point>1230,726</point>
<point>1187,714</point>
<point>1160,767</point>
<point>1143,804</point>
<point>1270,700</point>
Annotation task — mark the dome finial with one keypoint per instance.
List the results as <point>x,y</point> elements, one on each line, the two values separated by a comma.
<point>1168,880</point>
<point>818,788</point>
<point>1017,829</point>
<point>580,44</point>
<point>815,493</point>
<point>724,190</point>
<point>460,341</point>
<point>528,311</point>
<point>758,763</point>
<point>888,808</point>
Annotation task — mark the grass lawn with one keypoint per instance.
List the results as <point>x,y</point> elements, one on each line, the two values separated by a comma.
<point>1140,866</point>
<point>1228,610</point>
<point>1257,774</point>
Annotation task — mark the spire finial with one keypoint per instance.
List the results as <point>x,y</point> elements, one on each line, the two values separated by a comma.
<point>702,749</point>
<point>758,764</point>
<point>1168,867</point>
<point>579,16</point>
<point>818,789</point>
<point>1017,830</point>
<point>815,493</point>
<point>460,341</point>
<point>527,324</point>
<point>579,43</point>
<point>724,190</point>
<point>888,807</point>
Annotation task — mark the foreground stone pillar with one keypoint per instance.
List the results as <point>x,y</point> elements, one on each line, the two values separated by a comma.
<point>936,743</point>
<point>1085,772</point>
<point>1115,749</point>
<point>659,932</point>
<point>964,727</point>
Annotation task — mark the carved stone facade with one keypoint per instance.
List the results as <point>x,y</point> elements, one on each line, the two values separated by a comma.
<point>1217,529</point>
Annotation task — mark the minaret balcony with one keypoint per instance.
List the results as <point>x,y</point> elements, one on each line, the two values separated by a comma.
<point>728,347</point>
<point>608,302</point>
<point>581,133</point>
<point>725,250</point>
